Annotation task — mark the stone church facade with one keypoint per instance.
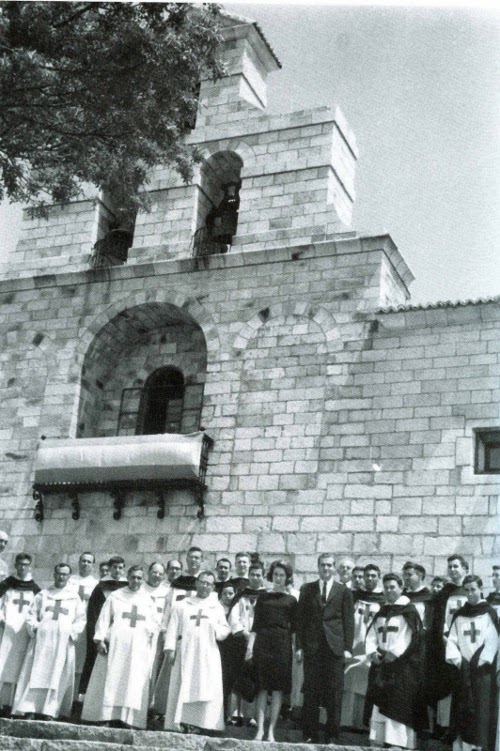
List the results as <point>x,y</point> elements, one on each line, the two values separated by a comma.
<point>338,416</point>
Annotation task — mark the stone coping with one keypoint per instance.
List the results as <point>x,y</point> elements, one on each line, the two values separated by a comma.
<point>338,245</point>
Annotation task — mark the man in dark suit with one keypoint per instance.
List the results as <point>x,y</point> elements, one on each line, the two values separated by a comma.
<point>325,633</point>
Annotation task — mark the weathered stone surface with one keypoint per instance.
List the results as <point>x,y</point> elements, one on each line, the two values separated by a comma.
<point>62,731</point>
<point>20,744</point>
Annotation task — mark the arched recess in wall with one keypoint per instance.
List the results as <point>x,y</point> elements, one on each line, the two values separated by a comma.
<point>127,351</point>
<point>279,415</point>
<point>218,202</point>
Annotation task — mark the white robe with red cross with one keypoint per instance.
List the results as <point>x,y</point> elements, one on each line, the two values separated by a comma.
<point>195,695</point>
<point>119,685</point>
<point>46,680</point>
<point>14,640</point>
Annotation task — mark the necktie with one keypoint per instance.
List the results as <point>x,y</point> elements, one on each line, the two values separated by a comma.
<point>323,594</point>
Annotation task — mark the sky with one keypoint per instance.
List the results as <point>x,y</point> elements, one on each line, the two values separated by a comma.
<point>419,87</point>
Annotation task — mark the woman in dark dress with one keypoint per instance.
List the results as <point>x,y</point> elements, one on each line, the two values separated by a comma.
<point>270,645</point>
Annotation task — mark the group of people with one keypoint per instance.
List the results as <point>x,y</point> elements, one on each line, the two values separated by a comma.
<point>197,649</point>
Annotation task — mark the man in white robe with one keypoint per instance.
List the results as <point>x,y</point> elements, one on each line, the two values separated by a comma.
<point>367,602</point>
<point>17,594</point>
<point>442,675</point>
<point>195,696</point>
<point>118,689</point>
<point>158,590</point>
<point>494,597</point>
<point>472,647</point>
<point>85,583</point>
<point>4,541</point>
<point>47,677</point>
<point>394,645</point>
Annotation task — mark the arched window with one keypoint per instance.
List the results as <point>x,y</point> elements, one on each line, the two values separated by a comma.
<point>156,408</point>
<point>218,203</point>
<point>162,400</point>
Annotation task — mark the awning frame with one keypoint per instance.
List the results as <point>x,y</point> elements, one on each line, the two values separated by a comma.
<point>118,490</point>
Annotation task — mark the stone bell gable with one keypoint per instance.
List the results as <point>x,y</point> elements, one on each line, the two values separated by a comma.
<point>243,370</point>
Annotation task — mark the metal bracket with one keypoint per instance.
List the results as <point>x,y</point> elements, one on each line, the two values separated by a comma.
<point>161,505</point>
<point>199,495</point>
<point>38,497</point>
<point>118,496</point>
<point>75,503</point>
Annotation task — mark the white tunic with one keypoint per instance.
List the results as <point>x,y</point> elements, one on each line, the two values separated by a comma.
<point>356,675</point>
<point>467,635</point>
<point>119,685</point>
<point>4,570</point>
<point>46,680</point>
<point>84,585</point>
<point>159,596</point>
<point>454,602</point>
<point>195,694</point>
<point>390,635</point>
<point>14,640</point>
<point>241,615</point>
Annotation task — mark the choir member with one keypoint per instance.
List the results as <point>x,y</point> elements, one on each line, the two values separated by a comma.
<point>17,594</point>
<point>47,677</point>
<point>494,597</point>
<point>394,645</point>
<point>367,602</point>
<point>195,696</point>
<point>223,572</point>
<point>85,583</point>
<point>108,584</point>
<point>442,676</point>
<point>4,541</point>
<point>471,647</point>
<point>118,690</point>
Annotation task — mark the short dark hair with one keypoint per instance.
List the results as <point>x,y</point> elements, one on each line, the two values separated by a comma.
<point>224,560</point>
<point>156,563</point>
<point>195,549</point>
<point>392,577</point>
<point>226,585</point>
<point>243,554</point>
<point>115,559</point>
<point>325,555</point>
<point>410,565</point>
<point>104,563</point>
<point>456,557</point>
<point>442,579</point>
<point>23,557</point>
<point>258,565</point>
<point>372,567</point>
<point>358,568</point>
<point>471,578</point>
<point>62,565</point>
<point>136,567</point>
<point>87,552</point>
<point>496,568</point>
<point>286,568</point>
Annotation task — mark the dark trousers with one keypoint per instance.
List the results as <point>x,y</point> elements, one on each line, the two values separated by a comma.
<point>323,687</point>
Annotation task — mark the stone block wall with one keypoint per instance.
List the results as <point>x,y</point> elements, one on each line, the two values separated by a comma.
<point>335,427</point>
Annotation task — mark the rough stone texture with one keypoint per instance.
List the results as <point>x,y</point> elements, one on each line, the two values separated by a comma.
<point>20,744</point>
<point>335,425</point>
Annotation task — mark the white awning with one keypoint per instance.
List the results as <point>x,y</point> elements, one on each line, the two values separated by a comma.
<point>81,461</point>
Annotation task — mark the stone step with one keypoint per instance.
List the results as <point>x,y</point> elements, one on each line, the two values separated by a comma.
<point>33,735</point>
<point>101,738</point>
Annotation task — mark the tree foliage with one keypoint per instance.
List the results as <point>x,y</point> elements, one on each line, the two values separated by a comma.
<point>98,92</point>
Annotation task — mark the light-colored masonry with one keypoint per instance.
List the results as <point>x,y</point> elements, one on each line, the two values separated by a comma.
<point>342,418</point>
